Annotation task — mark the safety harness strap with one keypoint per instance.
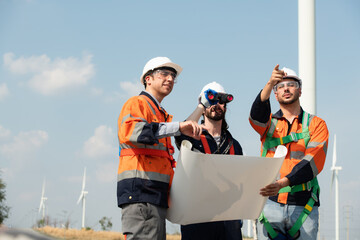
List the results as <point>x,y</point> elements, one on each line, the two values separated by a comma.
<point>205,144</point>
<point>271,142</point>
<point>293,137</point>
<point>301,187</point>
<point>273,234</point>
<point>232,150</point>
<point>307,209</point>
<point>207,147</point>
<point>301,219</point>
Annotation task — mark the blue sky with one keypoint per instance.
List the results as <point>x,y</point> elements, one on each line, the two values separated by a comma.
<point>67,67</point>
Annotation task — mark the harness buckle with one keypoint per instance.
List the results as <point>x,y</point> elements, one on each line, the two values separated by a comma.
<point>308,185</point>
<point>313,195</point>
<point>294,137</point>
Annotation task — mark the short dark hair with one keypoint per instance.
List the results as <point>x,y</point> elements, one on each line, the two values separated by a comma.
<point>147,74</point>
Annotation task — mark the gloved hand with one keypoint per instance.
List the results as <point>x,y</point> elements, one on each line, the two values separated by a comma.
<point>207,98</point>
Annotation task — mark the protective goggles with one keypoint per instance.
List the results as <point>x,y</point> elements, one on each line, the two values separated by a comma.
<point>289,84</point>
<point>164,73</point>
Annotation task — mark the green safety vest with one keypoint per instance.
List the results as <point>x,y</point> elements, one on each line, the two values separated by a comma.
<point>271,142</point>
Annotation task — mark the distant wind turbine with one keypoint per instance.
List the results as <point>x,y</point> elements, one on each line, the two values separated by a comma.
<point>82,198</point>
<point>334,177</point>
<point>42,201</point>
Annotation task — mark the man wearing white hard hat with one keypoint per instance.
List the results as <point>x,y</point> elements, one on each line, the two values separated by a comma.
<point>215,139</point>
<point>145,160</point>
<point>291,212</point>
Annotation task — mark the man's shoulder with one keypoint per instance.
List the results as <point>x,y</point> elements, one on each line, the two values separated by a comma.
<point>278,115</point>
<point>317,119</point>
<point>235,142</point>
<point>317,124</point>
<point>136,104</point>
<point>229,135</point>
<point>135,100</point>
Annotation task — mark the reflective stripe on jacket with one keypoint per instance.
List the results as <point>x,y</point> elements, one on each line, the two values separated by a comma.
<point>145,164</point>
<point>301,163</point>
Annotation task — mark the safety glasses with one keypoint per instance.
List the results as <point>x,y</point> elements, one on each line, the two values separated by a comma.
<point>165,73</point>
<point>289,84</point>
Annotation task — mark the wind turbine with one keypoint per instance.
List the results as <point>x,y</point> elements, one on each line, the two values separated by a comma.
<point>335,170</point>
<point>82,198</point>
<point>42,201</point>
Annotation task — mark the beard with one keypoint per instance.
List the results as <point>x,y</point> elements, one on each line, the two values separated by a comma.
<point>215,113</point>
<point>289,101</point>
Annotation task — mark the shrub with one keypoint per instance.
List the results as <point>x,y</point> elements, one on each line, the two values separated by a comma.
<point>4,209</point>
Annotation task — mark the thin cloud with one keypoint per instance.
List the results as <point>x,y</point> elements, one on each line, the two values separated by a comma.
<point>128,89</point>
<point>21,147</point>
<point>131,88</point>
<point>51,77</point>
<point>4,133</point>
<point>4,91</point>
<point>102,144</point>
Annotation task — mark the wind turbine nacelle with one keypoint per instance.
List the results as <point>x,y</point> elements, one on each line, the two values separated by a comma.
<point>334,168</point>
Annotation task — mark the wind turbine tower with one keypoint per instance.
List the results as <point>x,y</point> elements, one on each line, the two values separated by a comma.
<point>82,198</point>
<point>42,201</point>
<point>307,53</point>
<point>335,170</point>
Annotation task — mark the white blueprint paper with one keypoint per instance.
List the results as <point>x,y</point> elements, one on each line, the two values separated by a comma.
<point>211,187</point>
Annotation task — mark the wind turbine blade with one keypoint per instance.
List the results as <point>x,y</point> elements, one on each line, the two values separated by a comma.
<point>41,205</point>
<point>334,153</point>
<point>81,197</point>
<point>43,189</point>
<point>84,180</point>
<point>42,196</point>
<point>332,179</point>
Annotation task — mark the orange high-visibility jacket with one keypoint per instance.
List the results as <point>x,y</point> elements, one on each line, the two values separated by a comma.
<point>301,163</point>
<point>145,163</point>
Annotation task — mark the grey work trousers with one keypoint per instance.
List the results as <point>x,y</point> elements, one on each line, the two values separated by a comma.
<point>143,221</point>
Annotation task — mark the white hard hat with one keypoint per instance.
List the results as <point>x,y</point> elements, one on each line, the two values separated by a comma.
<point>213,86</point>
<point>291,74</point>
<point>157,63</point>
